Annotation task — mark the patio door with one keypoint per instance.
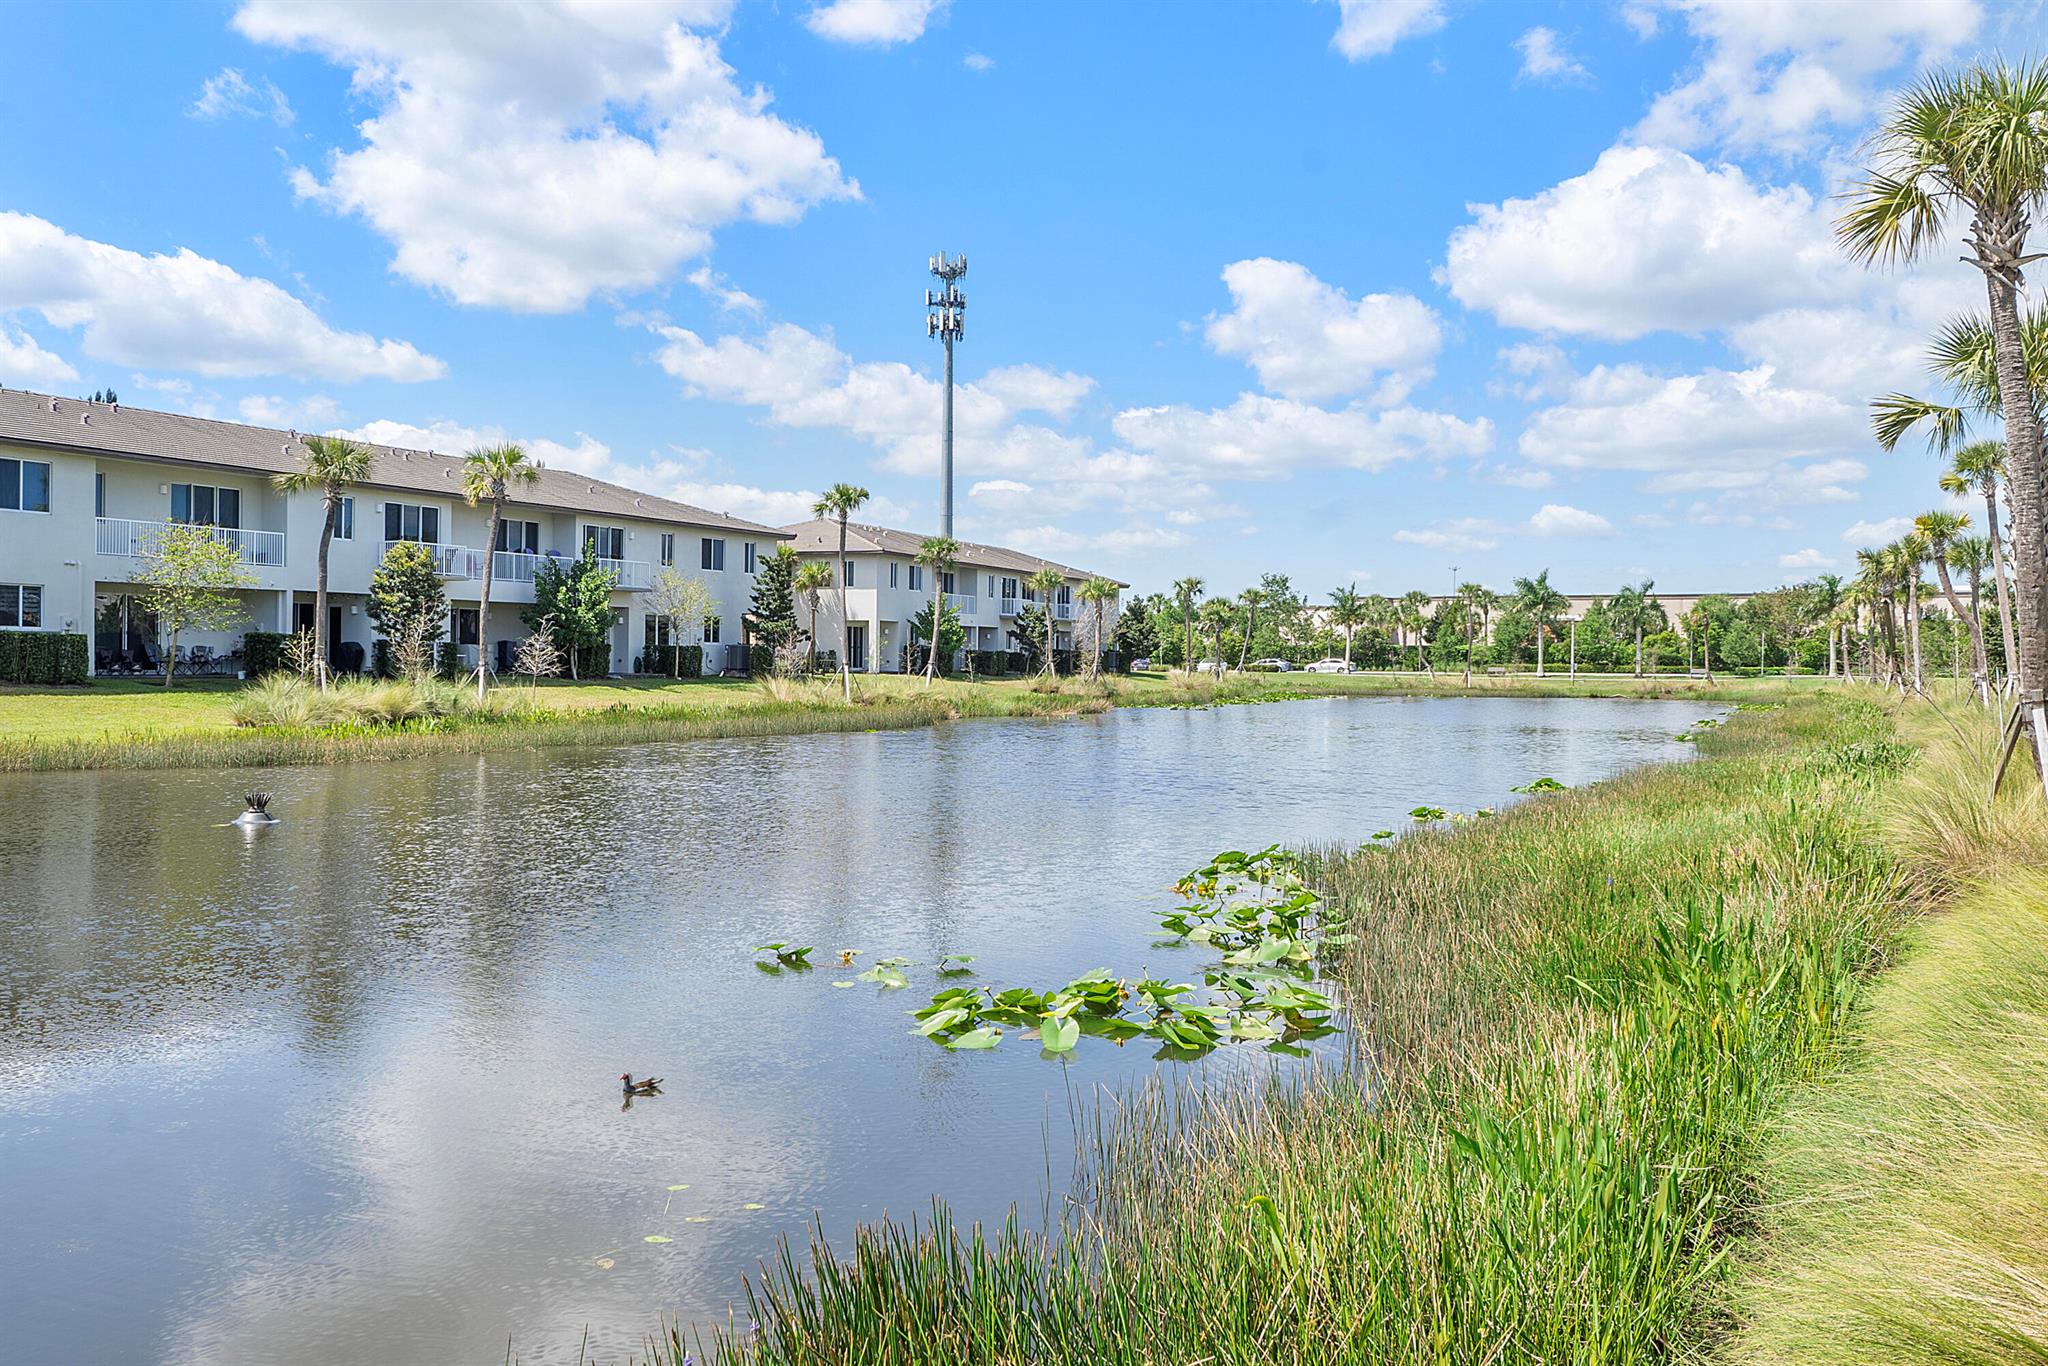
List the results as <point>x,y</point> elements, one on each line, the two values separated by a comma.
<point>304,623</point>
<point>857,647</point>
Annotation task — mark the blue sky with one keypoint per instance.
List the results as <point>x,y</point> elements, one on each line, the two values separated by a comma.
<point>1351,291</point>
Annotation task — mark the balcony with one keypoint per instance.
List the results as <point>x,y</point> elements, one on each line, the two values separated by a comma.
<point>963,603</point>
<point>1061,611</point>
<point>1008,607</point>
<point>120,536</point>
<point>450,561</point>
<point>519,566</point>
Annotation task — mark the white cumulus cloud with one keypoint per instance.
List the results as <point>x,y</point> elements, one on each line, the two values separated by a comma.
<point>1804,559</point>
<point>873,23</point>
<point>24,364</point>
<point>529,156</point>
<point>1865,534</point>
<point>1560,519</point>
<point>1544,57</point>
<point>1371,28</point>
<point>183,311</point>
<point>1310,340</point>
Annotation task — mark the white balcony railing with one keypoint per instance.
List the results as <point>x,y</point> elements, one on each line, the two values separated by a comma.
<point>450,561</point>
<point>1061,611</point>
<point>120,536</point>
<point>1008,607</point>
<point>519,566</point>
<point>963,603</point>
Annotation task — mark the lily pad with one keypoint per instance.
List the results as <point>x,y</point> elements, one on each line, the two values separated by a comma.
<point>753,1205</point>
<point>685,1186</point>
<point>657,1238</point>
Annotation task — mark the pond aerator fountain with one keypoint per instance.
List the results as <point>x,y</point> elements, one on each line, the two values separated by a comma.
<point>258,812</point>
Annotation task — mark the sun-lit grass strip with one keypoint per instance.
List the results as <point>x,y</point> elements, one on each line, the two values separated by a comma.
<point>1571,1022</point>
<point>125,724</point>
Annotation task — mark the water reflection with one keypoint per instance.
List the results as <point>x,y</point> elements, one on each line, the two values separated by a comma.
<point>347,1089</point>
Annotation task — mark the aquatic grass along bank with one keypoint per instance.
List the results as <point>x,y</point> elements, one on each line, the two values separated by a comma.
<point>1906,1203</point>
<point>1571,1022</point>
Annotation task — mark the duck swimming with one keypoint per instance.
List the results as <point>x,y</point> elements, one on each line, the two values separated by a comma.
<point>647,1086</point>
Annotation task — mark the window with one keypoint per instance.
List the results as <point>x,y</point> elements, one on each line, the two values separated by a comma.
<point>753,556</point>
<point>916,577</point>
<point>99,494</point>
<point>892,573</point>
<point>412,522</point>
<point>849,573</point>
<point>668,547</point>
<point>21,604</point>
<point>345,520</point>
<point>711,630</point>
<point>521,538</point>
<point>610,541</point>
<point>206,505</point>
<point>713,554</point>
<point>25,485</point>
<point>466,624</point>
<point>946,582</point>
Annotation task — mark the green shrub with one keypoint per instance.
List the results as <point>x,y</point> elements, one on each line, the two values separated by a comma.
<point>448,660</point>
<point>991,663</point>
<point>662,660</point>
<point>760,658</point>
<point>74,661</point>
<point>284,699</point>
<point>263,652</point>
<point>380,658</point>
<point>10,656</point>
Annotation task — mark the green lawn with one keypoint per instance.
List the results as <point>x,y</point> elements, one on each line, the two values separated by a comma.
<point>129,723</point>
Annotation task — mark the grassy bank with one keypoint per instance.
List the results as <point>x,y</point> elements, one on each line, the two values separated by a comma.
<point>1574,1021</point>
<point>128,724</point>
<point>1907,1200</point>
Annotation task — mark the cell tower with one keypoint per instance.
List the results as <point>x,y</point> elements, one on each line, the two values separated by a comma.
<point>946,319</point>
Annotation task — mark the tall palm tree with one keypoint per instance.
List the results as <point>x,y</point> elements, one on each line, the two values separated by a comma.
<point>937,555</point>
<point>1098,593</point>
<point>1976,143</point>
<point>1473,597</point>
<point>811,579</point>
<point>331,464</point>
<point>1347,614</point>
<point>1414,622</point>
<point>840,502</point>
<point>1972,555</point>
<point>1911,550</point>
<point>1940,529</point>
<point>1874,587</point>
<point>1045,583</point>
<point>488,474</point>
<point>1630,610</point>
<point>1980,465</point>
<point>1542,603</point>
<point>1251,597</point>
<point>1185,591</point>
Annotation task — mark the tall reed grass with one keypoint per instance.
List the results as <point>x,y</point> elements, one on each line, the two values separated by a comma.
<point>1570,1021</point>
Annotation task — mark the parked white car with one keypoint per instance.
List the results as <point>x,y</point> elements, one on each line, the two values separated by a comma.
<point>1209,666</point>
<point>1278,666</point>
<point>1327,666</point>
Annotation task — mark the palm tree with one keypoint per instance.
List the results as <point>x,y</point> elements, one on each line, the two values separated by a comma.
<point>811,579</point>
<point>1250,598</point>
<point>1347,614</point>
<point>488,472</point>
<point>1542,603</point>
<point>840,502</point>
<point>1874,586</point>
<point>1911,550</point>
<point>1473,597</point>
<point>1186,591</point>
<point>330,464</point>
<point>1218,616</point>
<point>1045,583</point>
<point>1977,143</point>
<point>1972,555</point>
<point>1940,529</point>
<point>1098,593</point>
<point>937,555</point>
<point>1980,465</point>
<point>1413,621</point>
<point>1630,610</point>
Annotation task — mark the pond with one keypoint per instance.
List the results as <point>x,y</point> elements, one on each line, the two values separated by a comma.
<point>345,1090</point>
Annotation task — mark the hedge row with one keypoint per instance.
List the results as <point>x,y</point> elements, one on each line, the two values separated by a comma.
<point>44,657</point>
<point>662,660</point>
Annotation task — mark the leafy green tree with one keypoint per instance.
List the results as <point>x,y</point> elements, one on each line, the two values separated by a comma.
<point>573,600</point>
<point>489,474</point>
<point>1137,628</point>
<point>331,464</point>
<point>773,609</point>
<point>189,577</point>
<point>1634,611</point>
<point>1974,143</point>
<point>840,502</point>
<point>408,604</point>
<point>952,635</point>
<point>1033,630</point>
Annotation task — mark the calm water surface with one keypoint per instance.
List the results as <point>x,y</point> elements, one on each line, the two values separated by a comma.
<point>345,1090</point>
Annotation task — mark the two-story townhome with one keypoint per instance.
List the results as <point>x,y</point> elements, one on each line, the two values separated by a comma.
<point>85,488</point>
<point>886,588</point>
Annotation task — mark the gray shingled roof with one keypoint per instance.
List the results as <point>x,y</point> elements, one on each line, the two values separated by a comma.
<point>27,419</point>
<point>822,534</point>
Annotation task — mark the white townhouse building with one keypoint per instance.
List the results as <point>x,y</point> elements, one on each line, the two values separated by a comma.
<point>85,488</point>
<point>886,588</point>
